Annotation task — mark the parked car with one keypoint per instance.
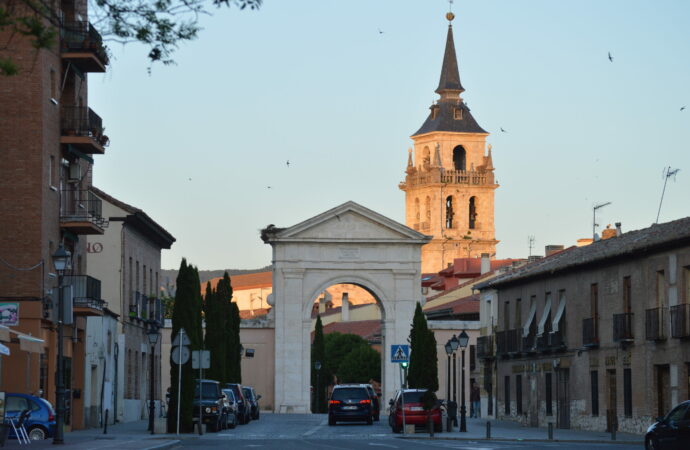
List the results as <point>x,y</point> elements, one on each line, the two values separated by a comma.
<point>41,422</point>
<point>375,402</point>
<point>350,403</point>
<point>253,401</point>
<point>212,404</point>
<point>414,411</point>
<point>243,408</point>
<point>232,408</point>
<point>671,432</point>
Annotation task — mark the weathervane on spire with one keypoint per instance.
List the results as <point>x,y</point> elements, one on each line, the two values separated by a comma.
<point>449,15</point>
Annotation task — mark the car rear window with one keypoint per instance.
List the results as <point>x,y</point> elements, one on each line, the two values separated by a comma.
<point>349,394</point>
<point>413,397</point>
<point>230,394</point>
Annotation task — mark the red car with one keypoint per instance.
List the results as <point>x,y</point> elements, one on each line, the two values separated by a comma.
<point>414,411</point>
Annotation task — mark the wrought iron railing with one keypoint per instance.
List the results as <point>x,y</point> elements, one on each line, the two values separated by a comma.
<point>557,339</point>
<point>590,332</point>
<point>485,347</point>
<point>543,342</point>
<point>680,321</point>
<point>623,327</point>
<point>82,206</point>
<point>529,342</point>
<point>501,343</point>
<point>655,329</point>
<point>86,291</point>
<point>82,121</point>
<point>513,341</point>
<point>81,36</point>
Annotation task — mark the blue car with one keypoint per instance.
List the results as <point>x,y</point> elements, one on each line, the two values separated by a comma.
<point>41,422</point>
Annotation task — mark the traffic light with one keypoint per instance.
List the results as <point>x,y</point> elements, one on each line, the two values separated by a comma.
<point>404,365</point>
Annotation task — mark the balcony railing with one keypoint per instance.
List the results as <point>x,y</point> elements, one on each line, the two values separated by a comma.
<point>655,329</point>
<point>460,177</point>
<point>680,321</point>
<point>513,341</point>
<point>485,347</point>
<point>82,121</point>
<point>81,37</point>
<point>86,292</point>
<point>590,333</point>
<point>623,327</point>
<point>557,340</point>
<point>501,343</point>
<point>81,210</point>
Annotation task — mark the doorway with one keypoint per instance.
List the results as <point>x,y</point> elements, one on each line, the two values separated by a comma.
<point>663,389</point>
<point>612,401</point>
<point>563,398</point>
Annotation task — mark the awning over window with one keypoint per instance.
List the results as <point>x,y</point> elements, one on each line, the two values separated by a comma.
<point>545,315</point>
<point>30,344</point>
<point>530,318</point>
<point>4,350</point>
<point>4,334</point>
<point>559,312</point>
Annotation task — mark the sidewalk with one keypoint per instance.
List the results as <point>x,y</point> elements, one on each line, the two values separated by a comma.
<point>129,436</point>
<point>505,430</point>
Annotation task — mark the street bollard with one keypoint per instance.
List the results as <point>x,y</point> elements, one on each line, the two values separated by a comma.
<point>488,430</point>
<point>449,424</point>
<point>551,431</point>
<point>613,433</point>
<point>105,423</point>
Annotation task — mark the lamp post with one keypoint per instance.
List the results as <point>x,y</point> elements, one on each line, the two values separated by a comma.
<point>449,351</point>
<point>454,344</point>
<point>464,340</point>
<point>317,366</point>
<point>153,339</point>
<point>62,259</point>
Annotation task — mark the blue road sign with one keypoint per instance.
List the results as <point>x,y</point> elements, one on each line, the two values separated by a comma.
<point>400,353</point>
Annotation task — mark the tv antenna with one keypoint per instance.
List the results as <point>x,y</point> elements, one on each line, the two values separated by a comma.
<point>667,173</point>
<point>594,218</point>
<point>530,243</point>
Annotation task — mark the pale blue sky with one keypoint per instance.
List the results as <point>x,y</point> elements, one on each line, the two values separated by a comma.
<point>316,83</point>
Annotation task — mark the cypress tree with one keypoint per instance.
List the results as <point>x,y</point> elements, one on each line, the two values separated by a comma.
<point>223,300</point>
<point>423,370</point>
<point>234,346</point>
<point>216,324</point>
<point>186,314</point>
<point>318,353</point>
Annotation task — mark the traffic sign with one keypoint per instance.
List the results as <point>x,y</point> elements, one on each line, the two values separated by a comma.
<point>179,355</point>
<point>181,336</point>
<point>400,353</point>
<point>205,359</point>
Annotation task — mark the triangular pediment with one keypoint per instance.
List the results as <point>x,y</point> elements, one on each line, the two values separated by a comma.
<point>350,221</point>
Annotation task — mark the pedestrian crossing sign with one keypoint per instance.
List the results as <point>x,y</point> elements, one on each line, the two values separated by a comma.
<point>400,353</point>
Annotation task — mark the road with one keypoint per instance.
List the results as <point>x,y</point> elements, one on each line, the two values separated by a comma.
<point>284,432</point>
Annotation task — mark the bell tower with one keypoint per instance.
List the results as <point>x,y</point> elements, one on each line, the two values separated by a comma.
<point>449,183</point>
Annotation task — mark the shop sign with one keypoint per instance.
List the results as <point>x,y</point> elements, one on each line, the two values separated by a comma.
<point>9,314</point>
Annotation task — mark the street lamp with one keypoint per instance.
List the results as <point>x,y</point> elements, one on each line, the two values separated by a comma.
<point>62,259</point>
<point>317,366</point>
<point>464,340</point>
<point>153,339</point>
<point>449,351</point>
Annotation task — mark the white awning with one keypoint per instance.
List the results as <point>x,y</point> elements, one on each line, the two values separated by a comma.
<point>544,316</point>
<point>559,312</point>
<point>30,344</point>
<point>530,319</point>
<point>4,350</point>
<point>4,333</point>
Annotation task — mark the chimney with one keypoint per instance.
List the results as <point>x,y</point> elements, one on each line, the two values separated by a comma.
<point>619,230</point>
<point>608,233</point>
<point>486,263</point>
<point>551,249</point>
<point>345,308</point>
<point>322,305</point>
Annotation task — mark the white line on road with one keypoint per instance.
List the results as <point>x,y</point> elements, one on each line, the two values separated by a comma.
<point>375,444</point>
<point>314,430</point>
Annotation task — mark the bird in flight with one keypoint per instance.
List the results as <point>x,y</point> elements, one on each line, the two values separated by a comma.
<point>503,131</point>
<point>288,163</point>
<point>380,32</point>
<point>610,57</point>
<point>682,108</point>
<point>269,187</point>
<point>190,179</point>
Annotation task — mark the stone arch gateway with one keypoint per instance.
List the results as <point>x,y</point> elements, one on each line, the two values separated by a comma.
<point>347,244</point>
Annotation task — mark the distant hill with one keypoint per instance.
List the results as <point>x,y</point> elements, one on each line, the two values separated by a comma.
<point>168,276</point>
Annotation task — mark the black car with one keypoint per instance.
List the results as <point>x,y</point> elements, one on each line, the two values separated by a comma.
<point>375,402</point>
<point>211,402</point>
<point>671,432</point>
<point>253,401</point>
<point>243,407</point>
<point>350,403</point>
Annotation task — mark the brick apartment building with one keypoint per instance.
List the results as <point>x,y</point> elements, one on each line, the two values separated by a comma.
<point>48,138</point>
<point>592,337</point>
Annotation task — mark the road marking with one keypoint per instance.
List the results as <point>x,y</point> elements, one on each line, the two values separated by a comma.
<point>314,430</point>
<point>375,444</point>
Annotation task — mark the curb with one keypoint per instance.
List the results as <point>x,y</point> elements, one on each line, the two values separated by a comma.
<point>567,441</point>
<point>164,445</point>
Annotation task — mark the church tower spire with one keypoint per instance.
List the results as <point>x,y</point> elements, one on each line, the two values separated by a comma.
<point>449,187</point>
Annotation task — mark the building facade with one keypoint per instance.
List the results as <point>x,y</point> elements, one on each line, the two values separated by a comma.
<point>594,337</point>
<point>449,184</point>
<point>48,137</point>
<point>127,260</point>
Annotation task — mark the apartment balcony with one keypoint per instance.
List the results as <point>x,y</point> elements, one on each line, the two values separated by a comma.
<point>82,46</point>
<point>590,332</point>
<point>513,341</point>
<point>82,128</point>
<point>529,343</point>
<point>501,343</point>
<point>86,294</point>
<point>80,212</point>
<point>146,309</point>
<point>680,321</point>
<point>655,329</point>
<point>557,340</point>
<point>623,327</point>
<point>485,347</point>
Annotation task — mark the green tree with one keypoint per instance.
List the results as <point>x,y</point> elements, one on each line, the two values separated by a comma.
<point>362,364</point>
<point>318,354</point>
<point>160,25</point>
<point>168,306</point>
<point>423,369</point>
<point>234,345</point>
<point>187,315</point>
<point>216,327</point>
<point>338,346</point>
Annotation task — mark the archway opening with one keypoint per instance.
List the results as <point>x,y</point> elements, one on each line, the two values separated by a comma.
<point>353,341</point>
<point>459,158</point>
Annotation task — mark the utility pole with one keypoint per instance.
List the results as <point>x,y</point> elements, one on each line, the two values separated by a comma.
<point>594,218</point>
<point>668,173</point>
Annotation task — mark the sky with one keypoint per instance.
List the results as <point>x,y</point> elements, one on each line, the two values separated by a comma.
<point>197,144</point>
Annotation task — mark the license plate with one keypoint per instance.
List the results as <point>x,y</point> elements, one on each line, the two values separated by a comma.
<point>349,407</point>
<point>416,408</point>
